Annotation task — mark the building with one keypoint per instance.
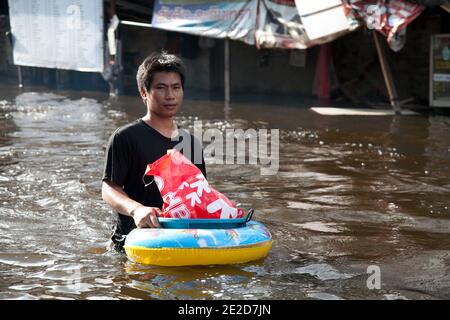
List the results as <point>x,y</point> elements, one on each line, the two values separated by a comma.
<point>289,75</point>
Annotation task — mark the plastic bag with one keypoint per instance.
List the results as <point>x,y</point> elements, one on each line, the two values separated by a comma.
<point>185,191</point>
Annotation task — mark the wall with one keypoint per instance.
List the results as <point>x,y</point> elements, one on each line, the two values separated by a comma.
<point>253,71</point>
<point>269,71</point>
<point>8,73</point>
<point>139,42</point>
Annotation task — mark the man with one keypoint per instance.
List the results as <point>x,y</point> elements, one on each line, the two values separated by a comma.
<point>131,148</point>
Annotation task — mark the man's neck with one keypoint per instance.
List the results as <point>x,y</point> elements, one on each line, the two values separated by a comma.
<point>165,126</point>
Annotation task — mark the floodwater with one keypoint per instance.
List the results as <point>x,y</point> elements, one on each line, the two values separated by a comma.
<point>354,197</point>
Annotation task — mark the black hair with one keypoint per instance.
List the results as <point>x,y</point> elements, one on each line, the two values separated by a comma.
<point>157,62</point>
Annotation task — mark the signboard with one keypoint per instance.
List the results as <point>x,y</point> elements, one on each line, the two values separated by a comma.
<point>322,18</point>
<point>301,24</point>
<point>217,19</point>
<point>60,34</point>
<point>440,71</point>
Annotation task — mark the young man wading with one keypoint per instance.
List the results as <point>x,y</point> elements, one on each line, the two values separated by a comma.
<point>131,148</point>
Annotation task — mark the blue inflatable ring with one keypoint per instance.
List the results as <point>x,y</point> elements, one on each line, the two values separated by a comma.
<point>206,246</point>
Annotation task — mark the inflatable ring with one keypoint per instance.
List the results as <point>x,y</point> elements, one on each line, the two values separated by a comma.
<point>181,247</point>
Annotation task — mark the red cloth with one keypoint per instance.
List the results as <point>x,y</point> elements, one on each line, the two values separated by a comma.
<point>185,191</point>
<point>388,17</point>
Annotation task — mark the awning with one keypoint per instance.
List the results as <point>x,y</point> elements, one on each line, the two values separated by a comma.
<point>217,19</point>
<point>285,24</point>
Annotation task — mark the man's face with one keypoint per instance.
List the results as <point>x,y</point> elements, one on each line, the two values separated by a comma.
<point>165,95</point>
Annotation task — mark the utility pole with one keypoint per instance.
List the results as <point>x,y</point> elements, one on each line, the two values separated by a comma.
<point>227,73</point>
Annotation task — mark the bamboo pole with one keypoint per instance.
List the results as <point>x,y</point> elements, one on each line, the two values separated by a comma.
<point>393,97</point>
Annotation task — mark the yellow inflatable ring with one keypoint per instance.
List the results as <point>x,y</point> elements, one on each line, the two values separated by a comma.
<point>181,247</point>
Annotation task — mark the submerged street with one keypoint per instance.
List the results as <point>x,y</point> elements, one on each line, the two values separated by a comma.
<point>351,192</point>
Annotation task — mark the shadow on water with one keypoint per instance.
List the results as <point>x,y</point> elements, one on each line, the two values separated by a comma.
<point>350,192</point>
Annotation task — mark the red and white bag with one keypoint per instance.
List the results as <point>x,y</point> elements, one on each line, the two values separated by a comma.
<point>185,191</point>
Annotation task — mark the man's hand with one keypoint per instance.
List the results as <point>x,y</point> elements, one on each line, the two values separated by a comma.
<point>146,217</point>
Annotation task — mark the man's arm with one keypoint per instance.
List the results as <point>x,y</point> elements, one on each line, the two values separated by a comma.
<point>144,217</point>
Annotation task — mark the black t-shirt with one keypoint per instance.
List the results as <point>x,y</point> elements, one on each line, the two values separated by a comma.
<point>130,149</point>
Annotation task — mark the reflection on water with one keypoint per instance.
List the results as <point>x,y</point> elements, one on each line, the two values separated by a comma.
<point>190,282</point>
<point>351,192</point>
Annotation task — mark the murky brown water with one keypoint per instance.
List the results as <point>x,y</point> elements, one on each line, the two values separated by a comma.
<point>351,192</point>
